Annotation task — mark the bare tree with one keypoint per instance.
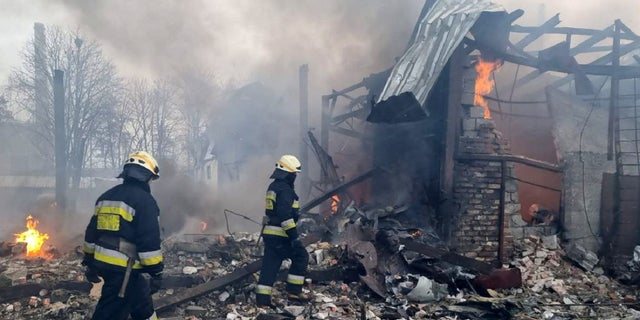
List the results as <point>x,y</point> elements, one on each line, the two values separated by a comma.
<point>200,95</point>
<point>91,84</point>
<point>5,113</point>
<point>153,118</point>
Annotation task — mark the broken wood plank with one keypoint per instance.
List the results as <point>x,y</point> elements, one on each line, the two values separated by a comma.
<point>535,34</point>
<point>315,202</point>
<point>346,273</point>
<point>217,283</point>
<point>32,289</point>
<point>447,256</point>
<point>200,290</point>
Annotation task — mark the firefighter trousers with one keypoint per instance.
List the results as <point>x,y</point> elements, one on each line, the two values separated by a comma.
<point>137,300</point>
<point>277,249</point>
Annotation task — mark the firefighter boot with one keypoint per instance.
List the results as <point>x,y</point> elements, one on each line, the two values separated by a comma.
<point>264,301</point>
<point>299,298</point>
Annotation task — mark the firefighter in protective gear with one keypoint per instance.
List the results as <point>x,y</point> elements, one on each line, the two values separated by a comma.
<point>281,239</point>
<point>126,218</point>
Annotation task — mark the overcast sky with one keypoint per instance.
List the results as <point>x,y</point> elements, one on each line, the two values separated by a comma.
<point>243,40</point>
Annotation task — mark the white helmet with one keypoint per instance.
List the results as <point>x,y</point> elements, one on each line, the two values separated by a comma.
<point>289,163</point>
<point>145,160</point>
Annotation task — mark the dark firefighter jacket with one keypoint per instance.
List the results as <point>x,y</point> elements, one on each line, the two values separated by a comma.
<point>281,206</point>
<point>126,211</point>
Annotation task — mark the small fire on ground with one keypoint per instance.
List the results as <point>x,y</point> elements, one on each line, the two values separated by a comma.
<point>203,226</point>
<point>484,83</point>
<point>335,201</point>
<point>33,238</point>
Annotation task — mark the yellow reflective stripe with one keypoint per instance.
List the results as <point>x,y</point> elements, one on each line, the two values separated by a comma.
<point>150,257</point>
<point>88,247</point>
<point>113,257</point>
<point>295,204</point>
<point>262,289</point>
<point>115,207</point>
<point>271,199</point>
<point>274,231</point>
<point>154,316</point>
<point>288,224</point>
<point>294,279</point>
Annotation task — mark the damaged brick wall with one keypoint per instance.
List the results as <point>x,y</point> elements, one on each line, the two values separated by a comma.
<point>477,190</point>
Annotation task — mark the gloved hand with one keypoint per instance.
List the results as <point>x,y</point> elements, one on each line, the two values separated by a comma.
<point>155,283</point>
<point>297,243</point>
<point>91,275</point>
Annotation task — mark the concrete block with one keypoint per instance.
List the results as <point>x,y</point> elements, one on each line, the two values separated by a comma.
<point>476,112</point>
<point>468,124</point>
<point>486,124</point>
<point>467,98</point>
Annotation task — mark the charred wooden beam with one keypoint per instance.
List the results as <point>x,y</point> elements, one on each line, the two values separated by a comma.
<point>584,47</point>
<point>346,273</point>
<point>447,256</point>
<point>568,30</point>
<point>341,188</point>
<point>200,290</point>
<point>215,284</point>
<point>32,289</point>
<point>538,32</point>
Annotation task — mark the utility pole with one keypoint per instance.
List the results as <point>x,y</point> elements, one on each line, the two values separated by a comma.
<point>304,124</point>
<point>59,140</point>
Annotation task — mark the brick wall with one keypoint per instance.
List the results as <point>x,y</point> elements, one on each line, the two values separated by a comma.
<point>477,190</point>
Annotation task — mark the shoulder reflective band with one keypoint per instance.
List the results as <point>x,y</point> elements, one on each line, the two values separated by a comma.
<point>116,207</point>
<point>271,199</point>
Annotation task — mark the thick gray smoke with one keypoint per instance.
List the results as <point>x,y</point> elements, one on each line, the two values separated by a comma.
<point>252,40</point>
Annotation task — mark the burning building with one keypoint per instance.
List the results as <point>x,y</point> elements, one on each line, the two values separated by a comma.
<point>481,176</point>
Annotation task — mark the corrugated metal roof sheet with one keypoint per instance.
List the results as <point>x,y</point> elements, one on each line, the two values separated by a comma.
<point>439,34</point>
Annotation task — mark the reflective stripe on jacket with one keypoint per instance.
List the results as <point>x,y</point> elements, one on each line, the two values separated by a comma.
<point>282,209</point>
<point>126,211</point>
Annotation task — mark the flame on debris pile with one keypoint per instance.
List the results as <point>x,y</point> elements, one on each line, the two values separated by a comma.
<point>33,238</point>
<point>203,226</point>
<point>484,84</point>
<point>335,200</point>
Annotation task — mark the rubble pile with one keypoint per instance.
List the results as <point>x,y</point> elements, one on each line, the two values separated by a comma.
<point>554,287</point>
<point>37,288</point>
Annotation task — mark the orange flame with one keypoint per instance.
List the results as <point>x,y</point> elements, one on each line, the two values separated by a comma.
<point>335,200</point>
<point>484,84</point>
<point>203,226</point>
<point>33,238</point>
<point>416,233</point>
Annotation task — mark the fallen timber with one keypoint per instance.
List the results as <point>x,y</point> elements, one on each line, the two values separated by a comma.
<point>240,273</point>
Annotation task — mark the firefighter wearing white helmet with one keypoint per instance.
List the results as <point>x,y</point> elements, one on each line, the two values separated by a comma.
<point>281,239</point>
<point>122,241</point>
